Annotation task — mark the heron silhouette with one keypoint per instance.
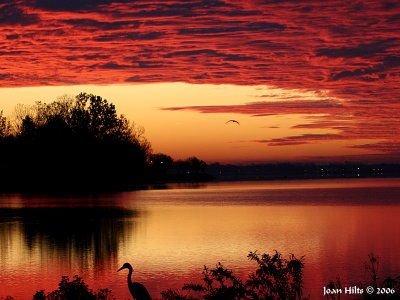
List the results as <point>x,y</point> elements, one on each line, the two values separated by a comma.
<point>138,291</point>
<point>233,121</point>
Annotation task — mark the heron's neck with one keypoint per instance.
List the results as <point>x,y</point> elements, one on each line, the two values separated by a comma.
<point>130,276</point>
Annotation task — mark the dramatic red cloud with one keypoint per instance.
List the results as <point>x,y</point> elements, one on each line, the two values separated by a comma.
<point>348,49</point>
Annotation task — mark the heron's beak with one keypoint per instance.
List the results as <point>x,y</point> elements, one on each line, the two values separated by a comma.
<point>120,269</point>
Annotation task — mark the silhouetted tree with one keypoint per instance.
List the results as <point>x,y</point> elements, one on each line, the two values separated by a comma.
<point>79,142</point>
<point>5,126</point>
<point>190,165</point>
<point>159,164</point>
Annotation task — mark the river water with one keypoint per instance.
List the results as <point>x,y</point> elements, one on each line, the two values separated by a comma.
<point>168,233</point>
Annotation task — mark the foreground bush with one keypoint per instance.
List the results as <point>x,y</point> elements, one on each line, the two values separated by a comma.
<point>275,278</point>
<point>76,289</point>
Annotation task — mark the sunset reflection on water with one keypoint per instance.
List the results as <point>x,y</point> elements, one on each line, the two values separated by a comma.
<point>170,234</point>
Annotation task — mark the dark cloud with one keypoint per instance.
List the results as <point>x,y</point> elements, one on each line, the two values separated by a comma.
<point>151,64</point>
<point>13,52</point>
<point>129,36</point>
<point>73,5</point>
<point>337,124</point>
<point>268,108</point>
<point>91,24</point>
<point>373,73</point>
<point>390,5</point>
<point>163,9</point>
<point>209,53</point>
<point>5,76</point>
<point>145,9</point>
<point>204,76</point>
<point>387,146</point>
<point>302,139</point>
<point>192,53</point>
<point>361,50</point>
<point>146,78</point>
<point>12,36</point>
<point>86,57</point>
<point>258,26</point>
<point>137,65</point>
<point>11,14</point>
<point>113,66</point>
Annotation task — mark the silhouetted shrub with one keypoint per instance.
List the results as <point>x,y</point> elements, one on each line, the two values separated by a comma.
<point>76,289</point>
<point>275,278</point>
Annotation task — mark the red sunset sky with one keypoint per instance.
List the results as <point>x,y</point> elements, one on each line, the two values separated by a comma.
<point>307,79</point>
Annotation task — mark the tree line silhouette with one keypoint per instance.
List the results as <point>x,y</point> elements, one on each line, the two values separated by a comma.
<point>80,143</point>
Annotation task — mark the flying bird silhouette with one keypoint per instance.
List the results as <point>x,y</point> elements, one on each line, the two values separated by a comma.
<point>233,121</point>
<point>138,291</point>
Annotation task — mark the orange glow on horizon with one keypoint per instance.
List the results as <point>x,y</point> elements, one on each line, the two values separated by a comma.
<point>187,132</point>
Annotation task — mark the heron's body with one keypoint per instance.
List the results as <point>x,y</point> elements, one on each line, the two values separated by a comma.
<point>138,291</point>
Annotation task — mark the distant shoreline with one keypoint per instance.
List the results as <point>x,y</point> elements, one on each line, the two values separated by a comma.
<point>221,173</point>
<point>302,171</point>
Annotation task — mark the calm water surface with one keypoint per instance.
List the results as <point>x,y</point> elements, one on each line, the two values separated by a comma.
<point>170,234</point>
